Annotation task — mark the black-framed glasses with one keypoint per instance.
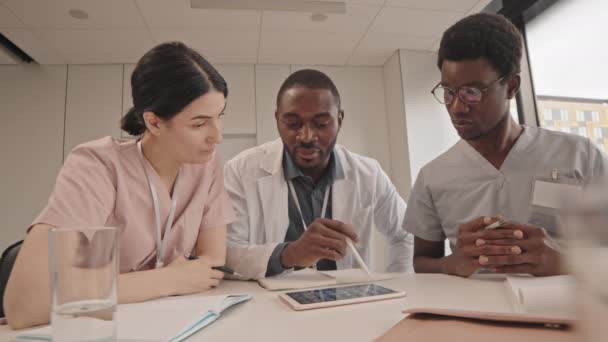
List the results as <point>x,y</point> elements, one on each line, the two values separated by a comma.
<point>467,94</point>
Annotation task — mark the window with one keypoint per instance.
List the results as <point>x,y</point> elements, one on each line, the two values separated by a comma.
<point>568,65</point>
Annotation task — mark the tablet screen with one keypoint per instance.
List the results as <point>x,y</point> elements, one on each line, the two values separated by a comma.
<point>338,293</point>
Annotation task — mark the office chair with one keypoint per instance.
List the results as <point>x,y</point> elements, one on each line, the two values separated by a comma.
<point>6,265</point>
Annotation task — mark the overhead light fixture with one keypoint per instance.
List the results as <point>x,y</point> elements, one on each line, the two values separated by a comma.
<point>337,7</point>
<point>78,14</point>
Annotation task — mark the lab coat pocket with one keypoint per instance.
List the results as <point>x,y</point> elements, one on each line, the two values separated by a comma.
<point>362,222</point>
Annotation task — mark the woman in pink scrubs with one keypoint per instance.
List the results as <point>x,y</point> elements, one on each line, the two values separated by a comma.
<point>172,170</point>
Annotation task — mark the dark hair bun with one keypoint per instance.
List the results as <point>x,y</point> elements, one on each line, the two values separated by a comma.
<point>167,79</point>
<point>133,122</point>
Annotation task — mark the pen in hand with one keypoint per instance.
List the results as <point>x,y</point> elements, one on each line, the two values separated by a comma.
<point>223,268</point>
<point>360,261</point>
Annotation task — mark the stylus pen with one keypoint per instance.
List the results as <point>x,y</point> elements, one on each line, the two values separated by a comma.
<point>225,269</point>
<point>349,242</point>
<point>494,225</point>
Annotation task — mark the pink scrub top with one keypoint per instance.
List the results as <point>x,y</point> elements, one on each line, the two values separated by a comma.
<point>103,183</point>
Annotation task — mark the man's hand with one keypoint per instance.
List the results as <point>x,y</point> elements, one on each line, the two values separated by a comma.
<point>536,258</point>
<point>475,246</point>
<point>323,239</point>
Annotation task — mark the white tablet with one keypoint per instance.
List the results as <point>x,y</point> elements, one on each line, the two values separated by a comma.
<point>334,296</point>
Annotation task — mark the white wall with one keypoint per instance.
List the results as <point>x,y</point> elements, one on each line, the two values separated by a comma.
<point>93,103</point>
<point>268,80</point>
<point>429,129</point>
<point>397,126</point>
<point>32,112</point>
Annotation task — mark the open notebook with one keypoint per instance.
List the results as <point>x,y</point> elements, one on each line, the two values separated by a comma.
<point>518,298</point>
<point>308,278</point>
<point>175,318</point>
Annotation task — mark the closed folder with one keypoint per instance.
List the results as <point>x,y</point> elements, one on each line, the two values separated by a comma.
<point>175,318</point>
<point>516,298</point>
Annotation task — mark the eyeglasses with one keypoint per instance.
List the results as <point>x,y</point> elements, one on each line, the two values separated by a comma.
<point>468,94</point>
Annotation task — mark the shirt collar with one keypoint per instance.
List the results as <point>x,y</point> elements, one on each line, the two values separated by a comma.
<point>292,171</point>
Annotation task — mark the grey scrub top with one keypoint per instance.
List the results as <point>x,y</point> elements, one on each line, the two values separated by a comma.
<point>461,185</point>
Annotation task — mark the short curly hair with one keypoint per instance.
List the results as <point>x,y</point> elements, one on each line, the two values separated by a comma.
<point>310,79</point>
<point>485,35</point>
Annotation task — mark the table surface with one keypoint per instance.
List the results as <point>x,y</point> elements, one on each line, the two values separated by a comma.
<point>266,318</point>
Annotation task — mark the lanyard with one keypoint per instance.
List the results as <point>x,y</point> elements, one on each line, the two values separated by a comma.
<point>160,242</point>
<point>295,199</point>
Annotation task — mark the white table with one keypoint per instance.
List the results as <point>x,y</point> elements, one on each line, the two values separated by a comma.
<point>267,318</point>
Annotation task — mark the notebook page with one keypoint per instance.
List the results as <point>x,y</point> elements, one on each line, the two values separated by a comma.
<point>301,279</point>
<point>172,316</point>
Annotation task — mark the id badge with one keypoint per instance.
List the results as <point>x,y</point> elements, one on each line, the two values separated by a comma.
<point>549,195</point>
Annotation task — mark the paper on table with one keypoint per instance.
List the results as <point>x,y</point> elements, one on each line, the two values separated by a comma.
<point>544,295</point>
<point>176,317</point>
<point>304,278</point>
<point>308,278</point>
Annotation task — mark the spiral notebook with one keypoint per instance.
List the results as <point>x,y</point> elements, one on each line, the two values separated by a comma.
<point>175,318</point>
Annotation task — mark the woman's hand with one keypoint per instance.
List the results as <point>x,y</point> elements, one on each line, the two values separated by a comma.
<point>192,276</point>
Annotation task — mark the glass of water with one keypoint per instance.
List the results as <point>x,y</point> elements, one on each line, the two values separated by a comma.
<point>83,270</point>
<point>586,229</point>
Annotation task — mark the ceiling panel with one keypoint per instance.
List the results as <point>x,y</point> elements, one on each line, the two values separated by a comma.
<point>364,2</point>
<point>462,6</point>
<point>356,20</point>
<point>306,47</point>
<point>413,22</point>
<point>99,46</point>
<point>375,57</point>
<point>120,31</point>
<point>220,46</point>
<point>6,57</point>
<point>34,46</point>
<point>54,14</point>
<point>375,49</point>
<point>8,19</point>
<point>178,14</point>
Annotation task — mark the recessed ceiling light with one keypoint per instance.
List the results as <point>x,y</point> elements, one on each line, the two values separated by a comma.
<point>78,14</point>
<point>318,17</point>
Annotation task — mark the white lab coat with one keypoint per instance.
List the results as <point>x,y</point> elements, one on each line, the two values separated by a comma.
<point>365,197</point>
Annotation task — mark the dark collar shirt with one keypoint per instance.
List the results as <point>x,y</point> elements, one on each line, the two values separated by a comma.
<point>310,196</point>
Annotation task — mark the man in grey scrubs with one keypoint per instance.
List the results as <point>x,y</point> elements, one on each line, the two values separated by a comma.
<point>492,170</point>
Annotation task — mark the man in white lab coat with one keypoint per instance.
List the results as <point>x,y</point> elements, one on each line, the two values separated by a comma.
<point>298,199</point>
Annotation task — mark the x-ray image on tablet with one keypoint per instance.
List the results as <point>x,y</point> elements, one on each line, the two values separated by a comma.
<point>333,296</point>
